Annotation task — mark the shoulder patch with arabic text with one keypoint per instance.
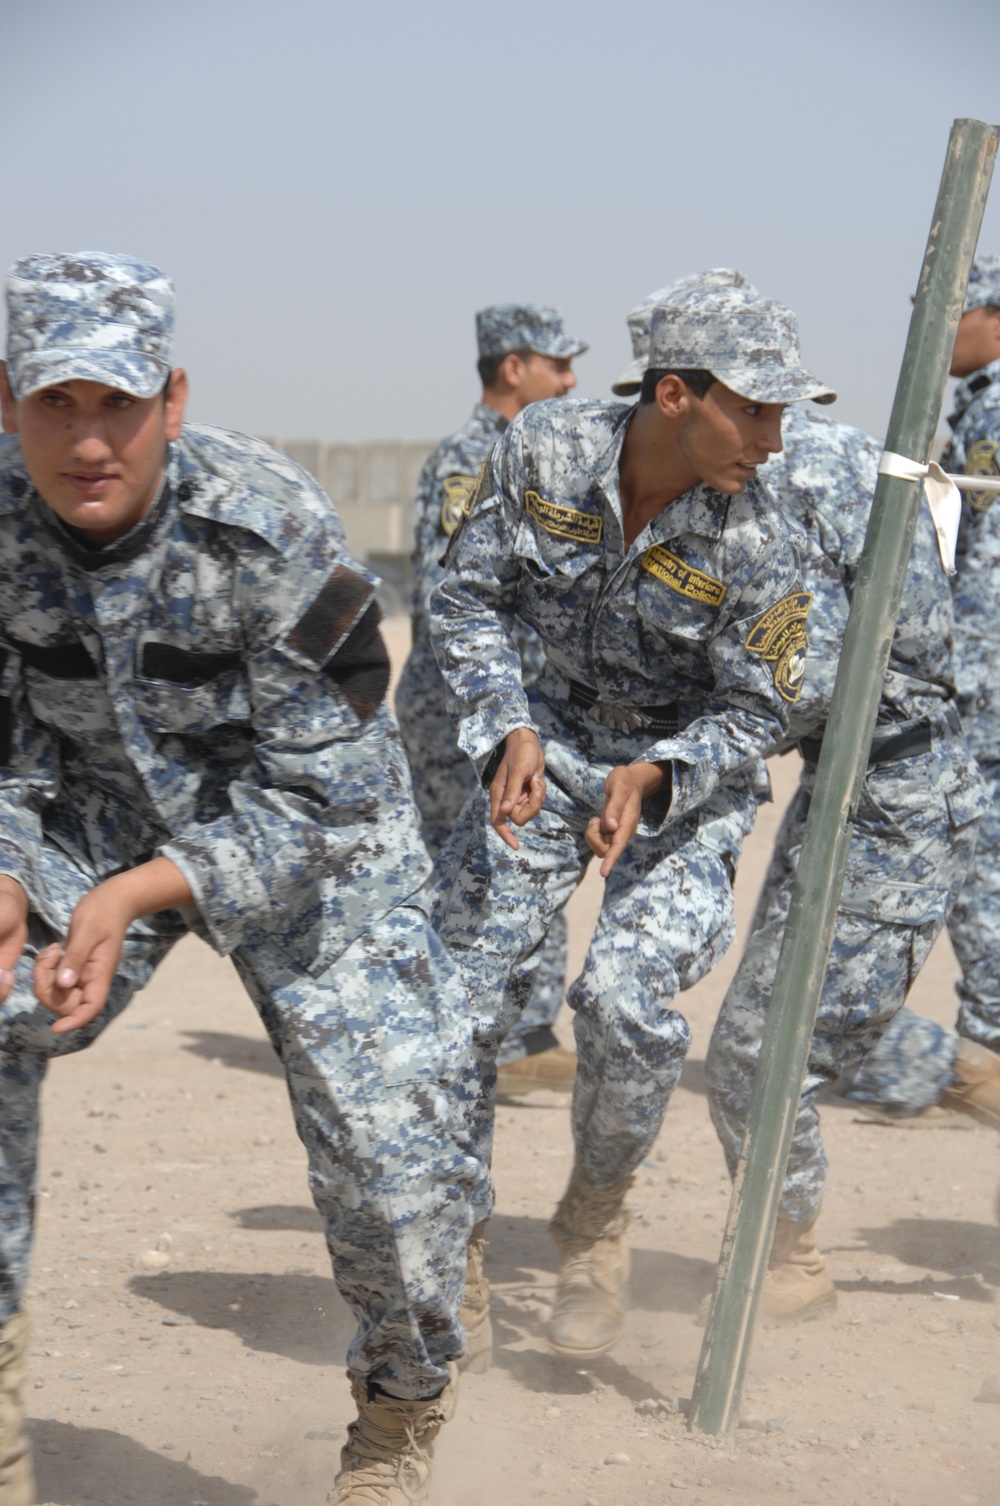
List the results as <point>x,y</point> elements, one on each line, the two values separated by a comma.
<point>982,461</point>
<point>458,490</point>
<point>566,522</point>
<point>780,639</point>
<point>684,579</point>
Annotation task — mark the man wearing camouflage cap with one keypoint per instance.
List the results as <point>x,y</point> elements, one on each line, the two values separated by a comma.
<point>919,1065</point>
<point>902,876</point>
<point>524,356</point>
<point>642,548</point>
<point>194,737</point>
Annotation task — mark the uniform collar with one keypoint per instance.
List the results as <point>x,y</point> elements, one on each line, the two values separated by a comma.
<point>484,414</point>
<point>971,387</point>
<point>702,510</point>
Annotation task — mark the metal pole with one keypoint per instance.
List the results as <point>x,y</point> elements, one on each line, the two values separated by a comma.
<point>808,936</point>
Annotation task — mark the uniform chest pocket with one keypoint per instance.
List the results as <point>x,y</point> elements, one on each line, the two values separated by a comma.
<point>178,690</point>
<point>681,610</point>
<point>77,708</point>
<point>551,565</point>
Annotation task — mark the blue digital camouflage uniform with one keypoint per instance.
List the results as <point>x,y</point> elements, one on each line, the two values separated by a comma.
<point>684,648</point>
<point>912,836</point>
<point>912,1066</point>
<point>211,688</point>
<point>443,778</point>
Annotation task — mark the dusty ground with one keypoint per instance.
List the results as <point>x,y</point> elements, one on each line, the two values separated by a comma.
<point>217,1380</point>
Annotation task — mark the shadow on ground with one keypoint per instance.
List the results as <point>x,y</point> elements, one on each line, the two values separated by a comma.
<point>298,1315</point>
<point>240,1051</point>
<point>96,1464</point>
<point>300,1218</point>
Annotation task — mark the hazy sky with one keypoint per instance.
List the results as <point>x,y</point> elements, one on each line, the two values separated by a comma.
<point>335,188</point>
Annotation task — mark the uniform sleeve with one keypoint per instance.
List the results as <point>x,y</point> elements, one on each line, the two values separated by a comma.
<point>758,662</point>
<point>428,540</point>
<point>29,779</point>
<point>473,610</point>
<point>327,788</point>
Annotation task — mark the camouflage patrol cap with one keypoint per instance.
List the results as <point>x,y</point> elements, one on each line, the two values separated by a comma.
<point>504,327</point>
<point>984,284</point>
<point>749,343</point>
<point>641,317</point>
<point>89,316</point>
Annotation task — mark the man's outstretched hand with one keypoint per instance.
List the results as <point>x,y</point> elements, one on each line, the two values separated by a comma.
<point>625,788</point>
<point>73,981</point>
<point>517,789</point>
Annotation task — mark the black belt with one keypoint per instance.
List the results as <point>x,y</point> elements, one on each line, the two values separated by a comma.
<point>665,719</point>
<point>887,747</point>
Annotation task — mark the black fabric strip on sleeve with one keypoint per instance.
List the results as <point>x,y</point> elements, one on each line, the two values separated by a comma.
<point>331,615</point>
<point>6,729</point>
<point>60,661</point>
<point>361,665</point>
<point>179,666</point>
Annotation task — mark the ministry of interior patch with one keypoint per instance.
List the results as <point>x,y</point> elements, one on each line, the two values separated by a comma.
<point>780,639</point>
<point>584,527</point>
<point>684,579</point>
<point>982,461</point>
<point>457,492</point>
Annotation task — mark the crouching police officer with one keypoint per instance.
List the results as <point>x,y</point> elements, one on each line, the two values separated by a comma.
<point>195,738</point>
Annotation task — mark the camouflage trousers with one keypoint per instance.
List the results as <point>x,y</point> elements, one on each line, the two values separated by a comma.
<point>665,920</point>
<point>912,840</point>
<point>443,779</point>
<point>370,1050</point>
<point>914,1061</point>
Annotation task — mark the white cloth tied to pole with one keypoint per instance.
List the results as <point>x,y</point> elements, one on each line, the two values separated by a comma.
<point>942,493</point>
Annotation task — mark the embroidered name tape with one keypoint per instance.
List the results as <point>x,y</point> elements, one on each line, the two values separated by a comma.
<point>780,639</point>
<point>684,579</point>
<point>566,522</point>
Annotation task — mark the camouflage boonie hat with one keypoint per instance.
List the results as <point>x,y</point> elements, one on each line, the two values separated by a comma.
<point>749,343</point>
<point>641,317</point>
<point>504,327</point>
<point>984,284</point>
<point>92,316</point>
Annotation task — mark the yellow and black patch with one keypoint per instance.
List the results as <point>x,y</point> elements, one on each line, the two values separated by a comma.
<point>566,522</point>
<point>684,579</point>
<point>982,461</point>
<point>780,639</point>
<point>457,491</point>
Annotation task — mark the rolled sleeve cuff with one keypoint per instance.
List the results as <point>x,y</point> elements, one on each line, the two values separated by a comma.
<point>480,734</point>
<point>228,891</point>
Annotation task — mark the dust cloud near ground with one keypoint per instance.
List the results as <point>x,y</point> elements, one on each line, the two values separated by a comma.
<point>188,1340</point>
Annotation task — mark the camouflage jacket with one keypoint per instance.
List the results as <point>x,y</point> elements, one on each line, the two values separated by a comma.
<point>704,612</point>
<point>975,451</point>
<point>210,687</point>
<point>445,485</point>
<point>825,479</point>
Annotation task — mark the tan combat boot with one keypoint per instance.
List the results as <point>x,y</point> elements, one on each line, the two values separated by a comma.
<point>796,1286</point>
<point>554,1070</point>
<point>589,1229</point>
<point>17,1481</point>
<point>975,1087</point>
<point>475,1313</point>
<point>386,1460</point>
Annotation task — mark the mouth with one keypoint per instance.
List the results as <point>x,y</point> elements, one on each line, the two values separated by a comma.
<point>90,486</point>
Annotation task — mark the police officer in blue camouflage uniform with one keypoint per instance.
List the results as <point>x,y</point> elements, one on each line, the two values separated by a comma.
<point>524,357</point>
<point>919,1064</point>
<point>195,738</point>
<point>644,551</point>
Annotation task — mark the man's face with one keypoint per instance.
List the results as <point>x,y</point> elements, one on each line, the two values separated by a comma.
<point>977,342</point>
<point>94,453</point>
<point>725,437</point>
<point>544,376</point>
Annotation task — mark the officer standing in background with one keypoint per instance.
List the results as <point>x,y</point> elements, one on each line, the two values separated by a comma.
<point>643,549</point>
<point>918,1063</point>
<point>524,357</point>
<point>194,737</point>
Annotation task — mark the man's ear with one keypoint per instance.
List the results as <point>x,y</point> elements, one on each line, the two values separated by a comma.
<point>8,407</point>
<point>672,396</point>
<point>511,373</point>
<point>176,402</point>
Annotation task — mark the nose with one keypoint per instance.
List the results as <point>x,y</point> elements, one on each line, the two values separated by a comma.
<point>569,380</point>
<point>769,438</point>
